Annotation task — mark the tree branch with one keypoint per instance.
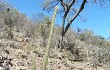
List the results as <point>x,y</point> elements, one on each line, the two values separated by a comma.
<point>51,7</point>
<point>70,22</point>
<point>72,3</point>
<point>67,9</point>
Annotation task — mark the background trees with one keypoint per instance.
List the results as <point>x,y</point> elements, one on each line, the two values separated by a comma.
<point>12,20</point>
<point>69,10</point>
<point>26,33</point>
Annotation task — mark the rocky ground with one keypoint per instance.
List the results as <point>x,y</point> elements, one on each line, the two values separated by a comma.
<point>21,54</point>
<point>23,59</point>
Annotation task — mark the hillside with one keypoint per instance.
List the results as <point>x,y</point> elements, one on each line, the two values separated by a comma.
<point>22,53</point>
<point>23,42</point>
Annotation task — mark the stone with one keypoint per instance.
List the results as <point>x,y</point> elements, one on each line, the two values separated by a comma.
<point>1,68</point>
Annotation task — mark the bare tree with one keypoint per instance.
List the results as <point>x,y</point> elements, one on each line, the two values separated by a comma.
<point>70,9</point>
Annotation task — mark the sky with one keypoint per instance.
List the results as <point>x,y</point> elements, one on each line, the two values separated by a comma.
<point>97,19</point>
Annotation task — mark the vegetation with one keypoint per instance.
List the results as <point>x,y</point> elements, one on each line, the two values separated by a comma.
<point>17,32</point>
<point>68,8</point>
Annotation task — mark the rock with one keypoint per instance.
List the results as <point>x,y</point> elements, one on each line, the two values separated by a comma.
<point>20,64</point>
<point>19,39</point>
<point>21,68</point>
<point>1,68</point>
<point>26,39</point>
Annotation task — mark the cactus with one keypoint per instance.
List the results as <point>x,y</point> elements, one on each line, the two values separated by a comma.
<point>33,61</point>
<point>35,50</point>
<point>46,54</point>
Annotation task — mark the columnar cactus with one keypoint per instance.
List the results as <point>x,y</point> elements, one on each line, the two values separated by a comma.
<point>50,39</point>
